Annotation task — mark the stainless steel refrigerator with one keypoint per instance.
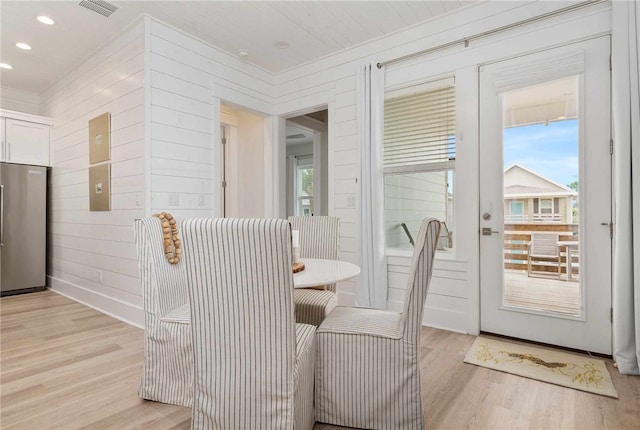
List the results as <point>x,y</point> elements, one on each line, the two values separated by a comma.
<point>23,224</point>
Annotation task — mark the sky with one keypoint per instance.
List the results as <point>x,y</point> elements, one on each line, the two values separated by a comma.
<point>549,150</point>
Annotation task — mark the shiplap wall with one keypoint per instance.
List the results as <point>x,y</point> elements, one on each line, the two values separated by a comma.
<point>453,300</point>
<point>21,101</point>
<point>92,255</point>
<point>163,90</point>
<point>188,80</point>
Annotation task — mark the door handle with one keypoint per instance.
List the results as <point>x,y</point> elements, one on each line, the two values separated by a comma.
<point>486,231</point>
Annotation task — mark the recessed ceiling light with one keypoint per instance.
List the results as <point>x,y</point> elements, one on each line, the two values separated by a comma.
<point>5,66</point>
<point>45,20</point>
<point>24,46</point>
<point>281,44</point>
<point>243,53</point>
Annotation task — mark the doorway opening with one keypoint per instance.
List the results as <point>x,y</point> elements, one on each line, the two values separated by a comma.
<point>242,163</point>
<point>307,166</point>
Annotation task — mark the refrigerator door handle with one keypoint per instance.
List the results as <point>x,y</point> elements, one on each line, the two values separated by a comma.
<point>1,215</point>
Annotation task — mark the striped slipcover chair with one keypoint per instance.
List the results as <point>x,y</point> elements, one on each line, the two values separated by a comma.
<point>253,365</point>
<point>367,374</point>
<point>319,238</point>
<point>167,373</point>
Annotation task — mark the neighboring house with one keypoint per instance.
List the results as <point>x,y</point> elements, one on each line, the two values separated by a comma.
<point>532,198</point>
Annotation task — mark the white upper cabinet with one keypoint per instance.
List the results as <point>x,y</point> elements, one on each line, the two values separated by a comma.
<point>25,141</point>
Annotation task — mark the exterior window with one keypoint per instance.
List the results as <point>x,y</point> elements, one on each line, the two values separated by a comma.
<point>304,186</point>
<point>546,206</point>
<point>419,161</point>
<point>516,211</point>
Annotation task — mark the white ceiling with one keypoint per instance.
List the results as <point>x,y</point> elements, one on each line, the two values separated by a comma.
<point>313,29</point>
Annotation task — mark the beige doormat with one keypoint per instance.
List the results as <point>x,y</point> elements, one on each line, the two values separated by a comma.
<point>560,368</point>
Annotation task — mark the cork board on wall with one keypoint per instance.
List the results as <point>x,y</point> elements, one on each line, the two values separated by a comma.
<point>99,187</point>
<point>99,138</point>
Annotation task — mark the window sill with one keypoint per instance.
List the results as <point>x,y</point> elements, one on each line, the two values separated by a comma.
<point>406,253</point>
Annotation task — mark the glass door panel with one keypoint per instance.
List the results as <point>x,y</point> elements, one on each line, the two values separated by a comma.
<point>540,157</point>
<point>545,197</point>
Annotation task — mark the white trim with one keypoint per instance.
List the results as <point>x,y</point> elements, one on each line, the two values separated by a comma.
<point>26,117</point>
<point>125,312</point>
<point>331,135</point>
<point>148,152</point>
<point>216,155</point>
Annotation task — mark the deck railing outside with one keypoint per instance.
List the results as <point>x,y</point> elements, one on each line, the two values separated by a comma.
<point>535,218</point>
<point>516,245</point>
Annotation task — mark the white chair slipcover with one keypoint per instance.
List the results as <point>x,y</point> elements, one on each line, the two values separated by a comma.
<point>167,373</point>
<point>253,364</point>
<point>319,238</point>
<point>367,373</point>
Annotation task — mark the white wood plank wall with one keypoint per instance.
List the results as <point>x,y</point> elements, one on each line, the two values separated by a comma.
<point>188,77</point>
<point>92,255</point>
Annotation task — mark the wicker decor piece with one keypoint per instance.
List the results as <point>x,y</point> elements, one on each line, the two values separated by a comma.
<point>171,241</point>
<point>298,267</point>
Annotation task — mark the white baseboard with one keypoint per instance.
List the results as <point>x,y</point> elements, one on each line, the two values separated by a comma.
<point>436,317</point>
<point>122,311</point>
<point>445,319</point>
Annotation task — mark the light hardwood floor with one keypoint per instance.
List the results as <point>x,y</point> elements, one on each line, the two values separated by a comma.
<point>66,366</point>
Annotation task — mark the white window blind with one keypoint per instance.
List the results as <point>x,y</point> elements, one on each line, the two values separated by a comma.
<point>419,129</point>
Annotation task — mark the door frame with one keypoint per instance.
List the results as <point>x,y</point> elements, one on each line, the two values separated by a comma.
<point>280,155</point>
<point>591,43</point>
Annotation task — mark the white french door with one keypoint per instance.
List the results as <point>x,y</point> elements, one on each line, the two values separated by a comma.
<point>545,177</point>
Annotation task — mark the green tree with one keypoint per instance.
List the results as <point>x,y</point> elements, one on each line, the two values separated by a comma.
<point>575,212</point>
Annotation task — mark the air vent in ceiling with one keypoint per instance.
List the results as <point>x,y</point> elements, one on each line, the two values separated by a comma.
<point>99,6</point>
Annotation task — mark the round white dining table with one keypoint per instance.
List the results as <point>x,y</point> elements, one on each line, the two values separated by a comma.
<point>317,272</point>
<point>322,272</point>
